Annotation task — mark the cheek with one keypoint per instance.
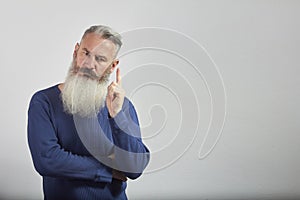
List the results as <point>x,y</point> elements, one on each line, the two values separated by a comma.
<point>101,70</point>
<point>79,60</point>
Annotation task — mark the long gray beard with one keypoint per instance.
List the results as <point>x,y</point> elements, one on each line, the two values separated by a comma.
<point>84,96</point>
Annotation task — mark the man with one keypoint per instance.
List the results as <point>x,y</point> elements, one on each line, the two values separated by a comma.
<point>84,134</point>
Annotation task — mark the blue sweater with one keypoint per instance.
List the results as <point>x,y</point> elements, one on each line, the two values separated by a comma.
<point>68,168</point>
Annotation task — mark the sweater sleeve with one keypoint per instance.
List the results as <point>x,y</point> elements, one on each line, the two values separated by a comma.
<point>49,158</point>
<point>131,153</point>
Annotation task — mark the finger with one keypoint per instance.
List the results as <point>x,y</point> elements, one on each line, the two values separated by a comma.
<point>119,91</point>
<point>118,76</point>
<point>111,87</point>
<point>110,91</point>
<point>112,83</point>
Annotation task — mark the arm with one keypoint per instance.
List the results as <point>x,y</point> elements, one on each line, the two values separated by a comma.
<point>127,136</point>
<point>130,155</point>
<point>49,158</point>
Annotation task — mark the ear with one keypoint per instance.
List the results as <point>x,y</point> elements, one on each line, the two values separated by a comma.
<point>76,50</point>
<point>114,65</point>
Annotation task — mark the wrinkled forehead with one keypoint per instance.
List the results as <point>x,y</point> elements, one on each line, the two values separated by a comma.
<point>97,45</point>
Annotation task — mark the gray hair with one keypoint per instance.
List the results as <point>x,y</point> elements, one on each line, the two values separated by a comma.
<point>106,33</point>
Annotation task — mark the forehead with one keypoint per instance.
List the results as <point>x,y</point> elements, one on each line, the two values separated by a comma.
<point>94,43</point>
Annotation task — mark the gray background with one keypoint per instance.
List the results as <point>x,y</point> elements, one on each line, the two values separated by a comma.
<point>255,46</point>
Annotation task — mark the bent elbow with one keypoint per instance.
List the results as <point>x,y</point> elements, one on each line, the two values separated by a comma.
<point>142,165</point>
<point>43,166</point>
<point>133,176</point>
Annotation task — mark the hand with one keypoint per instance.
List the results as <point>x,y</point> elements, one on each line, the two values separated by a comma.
<point>118,175</point>
<point>115,96</point>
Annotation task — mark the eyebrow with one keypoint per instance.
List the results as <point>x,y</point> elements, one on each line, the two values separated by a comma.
<point>97,56</point>
<point>85,49</point>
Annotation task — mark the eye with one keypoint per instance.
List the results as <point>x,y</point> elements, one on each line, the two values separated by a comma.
<point>100,59</point>
<point>85,52</point>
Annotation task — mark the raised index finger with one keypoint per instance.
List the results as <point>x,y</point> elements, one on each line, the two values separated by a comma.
<point>118,76</point>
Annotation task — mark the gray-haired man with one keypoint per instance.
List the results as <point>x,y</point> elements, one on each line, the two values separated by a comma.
<point>84,134</point>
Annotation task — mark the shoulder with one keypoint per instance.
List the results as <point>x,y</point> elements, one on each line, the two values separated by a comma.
<point>129,108</point>
<point>127,103</point>
<point>44,95</point>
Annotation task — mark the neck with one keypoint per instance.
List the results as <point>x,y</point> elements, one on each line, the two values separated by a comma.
<point>61,86</point>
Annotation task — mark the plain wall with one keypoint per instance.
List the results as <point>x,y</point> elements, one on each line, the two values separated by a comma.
<point>215,84</point>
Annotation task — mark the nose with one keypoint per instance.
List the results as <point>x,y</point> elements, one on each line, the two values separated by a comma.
<point>89,62</point>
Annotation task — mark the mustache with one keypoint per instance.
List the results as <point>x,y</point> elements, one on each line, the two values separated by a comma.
<point>89,73</point>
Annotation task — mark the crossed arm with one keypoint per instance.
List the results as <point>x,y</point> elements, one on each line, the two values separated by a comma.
<point>51,159</point>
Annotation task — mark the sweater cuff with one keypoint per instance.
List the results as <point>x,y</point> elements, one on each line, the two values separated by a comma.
<point>119,121</point>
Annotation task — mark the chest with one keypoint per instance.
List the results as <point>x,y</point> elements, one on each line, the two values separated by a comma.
<point>79,135</point>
